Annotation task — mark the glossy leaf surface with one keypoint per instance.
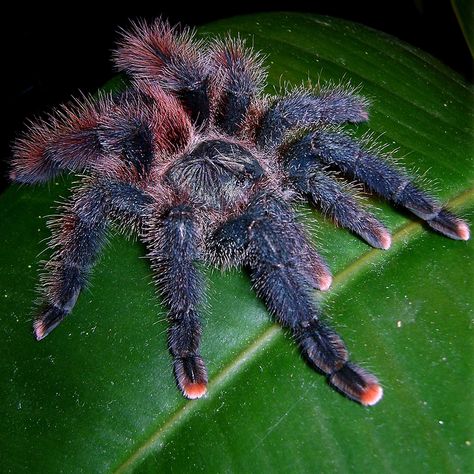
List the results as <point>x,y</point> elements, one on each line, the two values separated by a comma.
<point>98,394</point>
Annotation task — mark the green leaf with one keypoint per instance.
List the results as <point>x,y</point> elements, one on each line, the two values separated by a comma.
<point>98,394</point>
<point>464,11</point>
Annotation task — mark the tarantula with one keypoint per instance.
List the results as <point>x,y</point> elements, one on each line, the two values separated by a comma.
<point>202,166</point>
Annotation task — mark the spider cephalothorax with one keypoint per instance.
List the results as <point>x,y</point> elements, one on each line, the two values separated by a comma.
<point>195,160</point>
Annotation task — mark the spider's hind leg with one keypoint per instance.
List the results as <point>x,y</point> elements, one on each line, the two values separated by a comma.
<point>67,140</point>
<point>159,53</point>
<point>173,243</point>
<point>238,77</point>
<point>301,109</point>
<point>274,251</point>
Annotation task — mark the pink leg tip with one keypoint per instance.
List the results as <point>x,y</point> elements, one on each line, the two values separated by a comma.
<point>462,230</point>
<point>39,330</point>
<point>325,281</point>
<point>194,390</point>
<point>385,240</point>
<point>372,394</point>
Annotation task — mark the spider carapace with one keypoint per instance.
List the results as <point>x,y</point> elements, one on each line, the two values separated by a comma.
<point>196,160</point>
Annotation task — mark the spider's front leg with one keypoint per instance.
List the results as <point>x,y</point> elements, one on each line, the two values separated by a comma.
<point>173,241</point>
<point>338,149</point>
<point>275,251</point>
<point>78,236</point>
<point>326,193</point>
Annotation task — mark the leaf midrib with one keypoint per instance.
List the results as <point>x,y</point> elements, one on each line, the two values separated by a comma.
<point>405,233</point>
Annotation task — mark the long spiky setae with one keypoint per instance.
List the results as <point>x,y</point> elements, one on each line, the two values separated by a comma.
<point>199,164</point>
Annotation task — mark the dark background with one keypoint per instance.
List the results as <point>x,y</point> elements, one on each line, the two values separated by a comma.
<point>49,55</point>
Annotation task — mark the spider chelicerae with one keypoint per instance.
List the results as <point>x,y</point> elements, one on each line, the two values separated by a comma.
<point>202,166</point>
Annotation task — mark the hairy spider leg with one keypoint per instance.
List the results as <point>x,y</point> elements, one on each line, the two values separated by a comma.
<point>173,243</point>
<point>239,77</point>
<point>100,135</point>
<point>301,109</point>
<point>336,148</point>
<point>275,269</point>
<point>312,179</point>
<point>278,272</point>
<point>66,141</point>
<point>229,246</point>
<point>193,143</point>
<point>78,236</point>
<point>161,54</point>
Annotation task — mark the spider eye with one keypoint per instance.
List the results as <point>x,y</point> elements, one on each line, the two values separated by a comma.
<point>251,172</point>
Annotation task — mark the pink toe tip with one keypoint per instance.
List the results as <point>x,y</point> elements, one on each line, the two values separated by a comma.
<point>385,240</point>
<point>462,230</point>
<point>194,390</point>
<point>372,394</point>
<point>325,281</point>
<point>39,330</point>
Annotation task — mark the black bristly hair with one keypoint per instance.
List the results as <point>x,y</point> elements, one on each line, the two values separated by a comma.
<point>174,247</point>
<point>194,159</point>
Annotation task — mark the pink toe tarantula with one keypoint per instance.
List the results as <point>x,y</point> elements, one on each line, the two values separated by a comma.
<point>203,167</point>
